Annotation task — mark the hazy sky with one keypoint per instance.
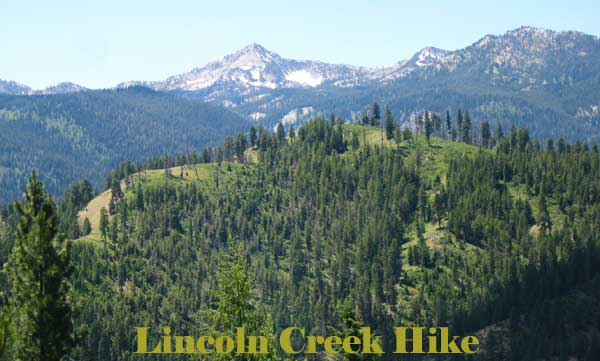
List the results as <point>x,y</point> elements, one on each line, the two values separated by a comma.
<point>101,43</point>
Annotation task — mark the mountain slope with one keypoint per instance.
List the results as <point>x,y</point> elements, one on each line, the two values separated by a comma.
<point>74,136</point>
<point>415,232</point>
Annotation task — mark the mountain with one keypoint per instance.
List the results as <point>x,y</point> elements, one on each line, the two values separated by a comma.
<point>83,135</point>
<point>255,67</point>
<point>60,88</point>
<point>14,88</point>
<point>543,79</point>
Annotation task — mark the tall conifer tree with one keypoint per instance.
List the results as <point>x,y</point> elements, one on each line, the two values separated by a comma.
<point>389,124</point>
<point>37,270</point>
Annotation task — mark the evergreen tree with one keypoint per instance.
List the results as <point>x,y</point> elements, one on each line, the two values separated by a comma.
<point>561,146</point>
<point>485,134</point>
<point>390,126</point>
<point>350,325</point>
<point>86,227</point>
<point>544,219</point>
<point>437,123</point>
<point>112,207</point>
<point>115,188</point>
<point>498,134</point>
<point>428,128</point>
<point>338,140</point>
<point>398,136</point>
<point>522,139</point>
<point>237,304</point>
<point>103,225</point>
<point>448,124</point>
<point>407,135</point>
<point>375,115</point>
<point>465,130</point>
<point>439,205</point>
<point>253,136</point>
<point>355,143</point>
<point>459,120</point>
<point>37,270</point>
<point>280,131</point>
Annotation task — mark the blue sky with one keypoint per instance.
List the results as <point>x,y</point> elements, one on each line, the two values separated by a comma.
<point>101,43</point>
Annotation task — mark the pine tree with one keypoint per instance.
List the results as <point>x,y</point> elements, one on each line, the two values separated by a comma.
<point>459,120</point>
<point>355,142</point>
<point>115,189</point>
<point>439,205</point>
<point>428,128</point>
<point>338,140</point>
<point>350,325</point>
<point>544,219</point>
<point>37,270</point>
<point>437,123</point>
<point>103,225</point>
<point>86,227</point>
<point>465,130</point>
<point>407,135</point>
<point>499,135</point>
<point>389,124</point>
<point>112,207</point>
<point>280,131</point>
<point>448,124</point>
<point>252,136</point>
<point>237,304</point>
<point>485,134</point>
<point>375,114</point>
<point>398,137</point>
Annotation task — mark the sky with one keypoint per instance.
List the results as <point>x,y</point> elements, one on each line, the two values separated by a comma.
<point>101,43</point>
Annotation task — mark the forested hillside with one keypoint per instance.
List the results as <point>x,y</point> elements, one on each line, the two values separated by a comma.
<point>67,137</point>
<point>336,225</point>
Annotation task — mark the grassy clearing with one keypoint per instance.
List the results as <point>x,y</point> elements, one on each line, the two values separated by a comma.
<point>433,157</point>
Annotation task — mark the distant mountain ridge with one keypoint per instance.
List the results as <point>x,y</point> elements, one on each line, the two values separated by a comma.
<point>10,87</point>
<point>256,67</point>
<point>543,79</point>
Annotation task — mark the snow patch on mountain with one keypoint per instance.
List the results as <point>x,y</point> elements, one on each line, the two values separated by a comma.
<point>304,77</point>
